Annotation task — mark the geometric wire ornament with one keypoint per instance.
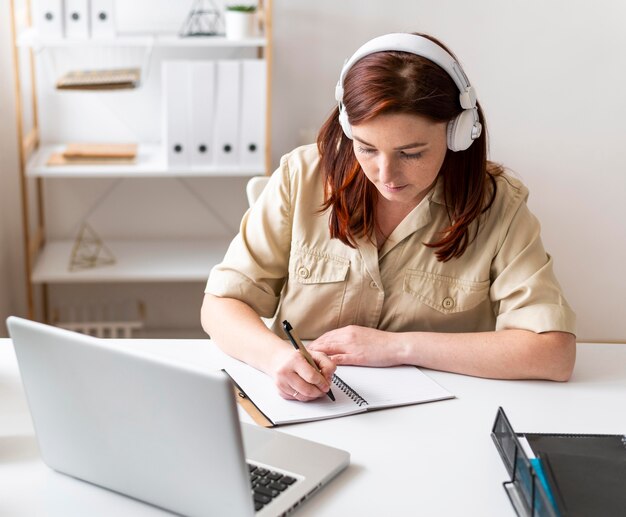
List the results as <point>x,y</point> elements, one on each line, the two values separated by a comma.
<point>203,20</point>
<point>89,250</point>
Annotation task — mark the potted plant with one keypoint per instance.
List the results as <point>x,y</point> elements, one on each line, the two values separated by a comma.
<point>240,21</point>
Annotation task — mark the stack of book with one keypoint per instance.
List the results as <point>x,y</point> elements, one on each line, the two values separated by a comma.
<point>113,79</point>
<point>95,154</point>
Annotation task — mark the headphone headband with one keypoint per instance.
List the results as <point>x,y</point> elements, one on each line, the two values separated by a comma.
<point>413,44</point>
<point>460,135</point>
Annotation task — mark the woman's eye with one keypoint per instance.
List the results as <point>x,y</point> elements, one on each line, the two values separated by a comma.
<point>411,156</point>
<point>365,150</point>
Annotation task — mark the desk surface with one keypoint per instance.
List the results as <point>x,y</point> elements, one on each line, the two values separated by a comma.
<point>429,459</point>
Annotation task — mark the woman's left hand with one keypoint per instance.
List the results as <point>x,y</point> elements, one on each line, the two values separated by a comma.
<point>361,346</point>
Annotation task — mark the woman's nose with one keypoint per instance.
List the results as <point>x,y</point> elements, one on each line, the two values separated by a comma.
<point>385,169</point>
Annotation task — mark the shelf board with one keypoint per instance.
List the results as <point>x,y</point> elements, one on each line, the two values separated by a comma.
<point>29,38</point>
<point>136,261</point>
<point>150,163</point>
<point>173,40</point>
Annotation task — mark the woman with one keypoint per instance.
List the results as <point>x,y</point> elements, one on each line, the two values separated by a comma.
<point>393,241</point>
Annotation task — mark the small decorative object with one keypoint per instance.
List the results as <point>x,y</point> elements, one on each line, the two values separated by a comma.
<point>240,21</point>
<point>89,251</point>
<point>203,20</point>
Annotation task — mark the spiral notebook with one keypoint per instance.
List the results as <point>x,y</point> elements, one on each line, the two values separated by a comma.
<point>357,389</point>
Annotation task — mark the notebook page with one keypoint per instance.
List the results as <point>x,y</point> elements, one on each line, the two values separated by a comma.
<point>261,390</point>
<point>392,386</point>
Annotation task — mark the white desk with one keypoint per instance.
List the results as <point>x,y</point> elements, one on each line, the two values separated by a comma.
<point>429,459</point>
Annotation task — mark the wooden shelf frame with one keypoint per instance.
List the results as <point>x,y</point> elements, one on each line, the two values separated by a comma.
<point>46,262</point>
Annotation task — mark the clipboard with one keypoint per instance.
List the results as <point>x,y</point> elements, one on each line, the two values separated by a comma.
<point>244,401</point>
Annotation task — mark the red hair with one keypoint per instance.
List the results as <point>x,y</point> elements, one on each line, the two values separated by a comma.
<point>399,82</point>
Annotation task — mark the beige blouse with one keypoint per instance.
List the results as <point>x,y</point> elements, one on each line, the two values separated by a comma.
<point>285,266</point>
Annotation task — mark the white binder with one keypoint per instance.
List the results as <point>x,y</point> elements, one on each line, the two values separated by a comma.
<point>77,19</point>
<point>176,93</point>
<point>102,19</point>
<point>202,113</point>
<point>48,18</point>
<point>227,113</point>
<point>253,106</point>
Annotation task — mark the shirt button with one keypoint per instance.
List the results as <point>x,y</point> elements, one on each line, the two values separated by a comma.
<point>373,285</point>
<point>448,303</point>
<point>303,272</point>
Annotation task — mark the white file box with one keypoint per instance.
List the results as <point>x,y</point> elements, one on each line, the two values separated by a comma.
<point>253,106</point>
<point>176,93</point>
<point>48,18</point>
<point>202,113</point>
<point>77,19</point>
<point>102,14</point>
<point>227,108</point>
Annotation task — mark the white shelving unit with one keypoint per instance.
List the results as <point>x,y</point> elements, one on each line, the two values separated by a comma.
<point>30,39</point>
<point>150,163</point>
<point>137,260</point>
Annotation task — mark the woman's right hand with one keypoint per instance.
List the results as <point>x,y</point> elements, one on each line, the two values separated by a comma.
<point>296,379</point>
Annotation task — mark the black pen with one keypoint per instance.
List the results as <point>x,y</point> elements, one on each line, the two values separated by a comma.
<point>299,346</point>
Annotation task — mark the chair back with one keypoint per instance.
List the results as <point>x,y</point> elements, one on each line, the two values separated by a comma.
<point>254,188</point>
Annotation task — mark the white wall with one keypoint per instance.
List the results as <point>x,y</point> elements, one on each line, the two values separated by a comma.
<point>550,77</point>
<point>12,277</point>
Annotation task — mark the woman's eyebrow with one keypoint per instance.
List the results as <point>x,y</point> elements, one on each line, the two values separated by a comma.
<point>400,148</point>
<point>410,146</point>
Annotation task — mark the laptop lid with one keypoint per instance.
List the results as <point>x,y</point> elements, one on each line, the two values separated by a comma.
<point>164,433</point>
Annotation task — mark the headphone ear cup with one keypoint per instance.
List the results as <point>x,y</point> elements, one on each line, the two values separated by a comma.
<point>345,123</point>
<point>459,132</point>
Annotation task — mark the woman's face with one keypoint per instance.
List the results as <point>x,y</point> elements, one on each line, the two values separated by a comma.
<point>401,155</point>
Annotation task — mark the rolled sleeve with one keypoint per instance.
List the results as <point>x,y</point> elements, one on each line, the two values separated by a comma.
<point>255,266</point>
<point>524,288</point>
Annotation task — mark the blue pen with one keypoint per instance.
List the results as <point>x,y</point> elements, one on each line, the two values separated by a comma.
<point>299,346</point>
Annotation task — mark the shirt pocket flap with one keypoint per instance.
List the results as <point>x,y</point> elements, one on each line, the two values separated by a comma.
<point>312,268</point>
<point>444,293</point>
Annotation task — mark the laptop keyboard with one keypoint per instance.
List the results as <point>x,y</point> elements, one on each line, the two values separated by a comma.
<point>267,485</point>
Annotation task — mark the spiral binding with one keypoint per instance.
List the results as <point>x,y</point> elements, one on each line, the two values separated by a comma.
<point>347,389</point>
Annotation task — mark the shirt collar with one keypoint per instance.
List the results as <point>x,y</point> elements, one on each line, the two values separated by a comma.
<point>436,195</point>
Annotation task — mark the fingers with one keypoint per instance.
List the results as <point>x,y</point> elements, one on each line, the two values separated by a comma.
<point>335,341</point>
<point>336,353</point>
<point>342,359</point>
<point>324,345</point>
<point>295,388</point>
<point>298,380</point>
<point>325,364</point>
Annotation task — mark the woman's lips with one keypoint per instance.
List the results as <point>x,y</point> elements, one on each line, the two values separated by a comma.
<point>394,188</point>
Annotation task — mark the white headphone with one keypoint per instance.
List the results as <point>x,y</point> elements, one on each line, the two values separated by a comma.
<point>463,129</point>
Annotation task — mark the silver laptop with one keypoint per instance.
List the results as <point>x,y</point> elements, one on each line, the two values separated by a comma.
<point>159,432</point>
